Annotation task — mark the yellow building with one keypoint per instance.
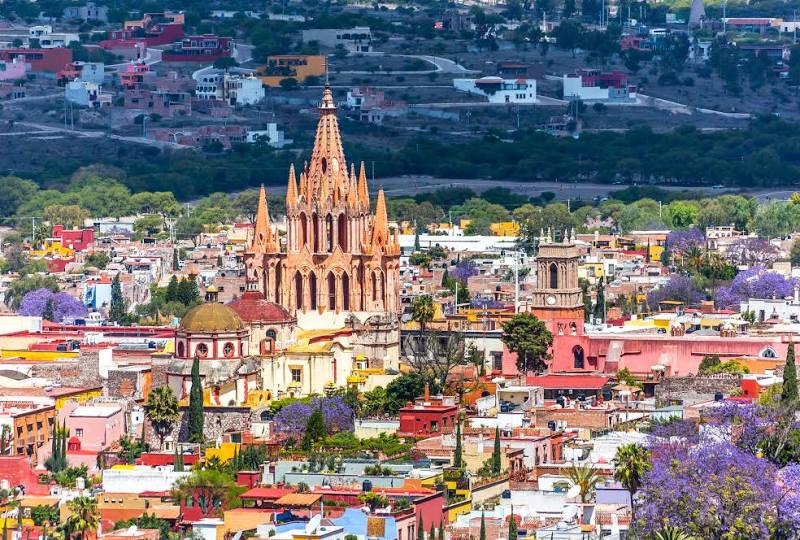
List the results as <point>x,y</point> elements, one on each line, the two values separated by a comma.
<point>505,228</point>
<point>291,66</point>
<point>53,248</point>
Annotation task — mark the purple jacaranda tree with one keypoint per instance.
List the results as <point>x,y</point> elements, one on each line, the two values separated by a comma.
<point>747,424</point>
<point>679,241</point>
<point>486,302</point>
<point>681,430</point>
<point>465,269</point>
<point>35,303</point>
<point>789,502</point>
<point>757,282</point>
<point>292,419</point>
<point>751,251</point>
<point>679,288</point>
<point>715,491</point>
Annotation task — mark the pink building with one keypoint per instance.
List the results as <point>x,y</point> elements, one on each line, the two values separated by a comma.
<point>165,104</point>
<point>13,70</point>
<point>92,427</point>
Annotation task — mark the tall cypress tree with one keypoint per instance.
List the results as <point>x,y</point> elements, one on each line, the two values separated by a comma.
<point>48,313</point>
<point>420,530</point>
<point>496,461</point>
<point>458,459</point>
<point>483,527</point>
<point>600,305</point>
<point>789,391</point>
<point>441,530</point>
<point>416,240</point>
<point>118,309</point>
<point>432,533</point>
<point>512,526</point>
<point>172,290</point>
<point>178,465</point>
<point>196,405</point>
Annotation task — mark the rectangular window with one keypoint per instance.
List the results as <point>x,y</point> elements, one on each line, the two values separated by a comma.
<point>297,375</point>
<point>79,432</point>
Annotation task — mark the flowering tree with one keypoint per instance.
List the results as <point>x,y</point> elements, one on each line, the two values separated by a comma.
<point>465,269</point>
<point>683,430</point>
<point>680,241</point>
<point>756,282</point>
<point>751,251</point>
<point>680,288</point>
<point>56,306</point>
<point>292,419</point>
<point>715,491</point>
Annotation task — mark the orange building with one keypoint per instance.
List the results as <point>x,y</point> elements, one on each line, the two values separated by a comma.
<point>291,66</point>
<point>30,425</point>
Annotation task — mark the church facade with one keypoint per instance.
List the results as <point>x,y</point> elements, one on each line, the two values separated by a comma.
<point>338,257</point>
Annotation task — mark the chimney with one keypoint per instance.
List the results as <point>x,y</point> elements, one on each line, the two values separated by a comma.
<point>427,392</point>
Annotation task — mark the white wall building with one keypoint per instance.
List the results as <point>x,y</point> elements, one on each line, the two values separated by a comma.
<point>594,85</point>
<point>358,39</point>
<point>242,90</point>
<point>140,478</point>
<point>498,90</point>
<point>274,135</point>
<point>86,94</point>
<point>49,39</point>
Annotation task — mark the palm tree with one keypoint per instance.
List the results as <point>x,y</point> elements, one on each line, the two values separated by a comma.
<point>423,311</point>
<point>212,490</point>
<point>162,411</point>
<point>586,478</point>
<point>672,533</point>
<point>85,516</point>
<point>631,464</point>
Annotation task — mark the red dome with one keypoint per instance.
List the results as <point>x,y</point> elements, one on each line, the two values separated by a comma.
<point>253,307</point>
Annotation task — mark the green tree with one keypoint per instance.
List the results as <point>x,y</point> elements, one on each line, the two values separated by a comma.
<point>440,534</point>
<point>68,215</point>
<point>162,411</point>
<point>529,337</point>
<point>226,62</point>
<point>631,464</point>
<point>212,489</point>
<point>708,363</point>
<point>42,513</point>
<point>432,532</point>
<point>420,530</point>
<point>497,462</point>
<point>422,310</point>
<point>315,429</point>
<point>789,391</point>
<point>98,259</point>
<point>118,309</point>
<point>85,517</point>
<point>512,526</point>
<point>195,421</point>
<point>600,304</point>
<point>482,535</point>
<point>48,314</point>
<point>148,225</point>
<point>405,388</point>
<point>458,458</point>
<point>586,477</point>
<point>171,294</point>
<point>672,533</point>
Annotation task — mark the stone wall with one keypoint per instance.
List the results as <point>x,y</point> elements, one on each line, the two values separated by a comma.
<point>690,390</point>
<point>83,372</point>
<point>217,422</point>
<point>125,383</point>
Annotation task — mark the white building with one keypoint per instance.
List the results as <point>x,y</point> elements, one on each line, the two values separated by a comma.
<point>50,40</point>
<point>94,72</point>
<point>242,90</point>
<point>274,135</point>
<point>358,39</point>
<point>595,85</point>
<point>498,90</point>
<point>86,94</point>
<point>140,478</point>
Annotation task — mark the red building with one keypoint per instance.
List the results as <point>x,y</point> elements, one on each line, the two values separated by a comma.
<point>205,48</point>
<point>428,417</point>
<point>151,30</point>
<point>77,239</point>
<point>40,60</point>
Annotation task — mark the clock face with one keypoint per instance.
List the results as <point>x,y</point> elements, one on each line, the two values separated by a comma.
<point>551,300</point>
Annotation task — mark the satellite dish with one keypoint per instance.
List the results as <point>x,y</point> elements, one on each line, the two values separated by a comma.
<point>313,524</point>
<point>574,491</point>
<point>569,513</point>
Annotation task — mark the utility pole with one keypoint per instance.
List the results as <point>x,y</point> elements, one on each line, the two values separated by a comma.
<point>516,281</point>
<point>144,126</point>
<point>724,22</point>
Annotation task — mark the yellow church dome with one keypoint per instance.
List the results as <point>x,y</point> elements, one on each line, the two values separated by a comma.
<point>211,318</point>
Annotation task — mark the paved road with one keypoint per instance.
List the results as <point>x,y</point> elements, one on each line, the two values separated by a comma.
<point>29,99</point>
<point>151,57</point>
<point>440,65</point>
<point>47,130</point>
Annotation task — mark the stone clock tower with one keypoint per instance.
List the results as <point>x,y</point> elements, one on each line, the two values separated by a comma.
<point>557,297</point>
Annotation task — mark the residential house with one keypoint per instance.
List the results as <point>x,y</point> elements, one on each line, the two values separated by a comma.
<point>498,90</point>
<point>596,85</point>
<point>291,66</point>
<point>88,12</point>
<point>87,94</point>
<point>12,70</point>
<point>203,48</point>
<point>39,60</point>
<point>358,39</point>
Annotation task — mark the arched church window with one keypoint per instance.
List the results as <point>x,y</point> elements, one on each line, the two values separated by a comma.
<point>181,350</point>
<point>345,292</point>
<point>201,350</point>
<point>342,226</point>
<point>577,357</point>
<point>553,276</point>
<point>315,231</point>
<point>228,350</point>
<point>331,291</point>
<point>312,289</point>
<point>329,232</point>
<point>298,290</point>
<point>303,230</point>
